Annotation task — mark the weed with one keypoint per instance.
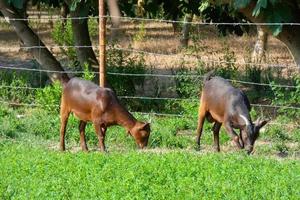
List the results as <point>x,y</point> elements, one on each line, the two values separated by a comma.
<point>288,97</point>
<point>229,70</point>
<point>14,90</point>
<point>49,97</point>
<point>141,34</point>
<point>87,75</point>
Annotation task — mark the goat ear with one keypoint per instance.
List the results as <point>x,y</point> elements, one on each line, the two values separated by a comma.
<point>145,126</point>
<point>259,123</point>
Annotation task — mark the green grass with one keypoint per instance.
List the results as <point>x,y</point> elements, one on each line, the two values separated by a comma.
<point>33,173</point>
<point>32,168</point>
<point>39,123</point>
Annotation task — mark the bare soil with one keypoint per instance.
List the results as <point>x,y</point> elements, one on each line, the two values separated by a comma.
<point>155,37</point>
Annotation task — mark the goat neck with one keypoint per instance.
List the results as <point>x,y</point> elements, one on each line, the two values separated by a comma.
<point>124,118</point>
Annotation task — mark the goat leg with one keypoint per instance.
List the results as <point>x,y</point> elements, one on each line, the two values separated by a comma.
<point>241,140</point>
<point>82,125</point>
<point>233,134</point>
<point>64,115</point>
<point>100,131</point>
<point>216,130</point>
<point>200,126</point>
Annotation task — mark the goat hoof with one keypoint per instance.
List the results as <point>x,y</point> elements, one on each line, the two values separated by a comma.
<point>217,149</point>
<point>102,150</point>
<point>197,148</point>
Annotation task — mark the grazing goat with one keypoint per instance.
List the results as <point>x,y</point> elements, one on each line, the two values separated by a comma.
<point>100,106</point>
<point>221,103</point>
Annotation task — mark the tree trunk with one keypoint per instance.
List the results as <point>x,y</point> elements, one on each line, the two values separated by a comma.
<point>175,27</point>
<point>289,34</point>
<point>188,18</point>
<point>260,47</point>
<point>175,24</point>
<point>115,13</point>
<point>140,10</point>
<point>85,55</point>
<point>290,37</point>
<point>42,55</point>
<point>64,11</point>
<point>24,15</point>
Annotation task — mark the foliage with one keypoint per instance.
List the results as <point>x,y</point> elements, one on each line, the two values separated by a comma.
<point>229,69</point>
<point>177,9</point>
<point>49,97</point>
<point>93,27</point>
<point>141,34</point>
<point>87,75</point>
<point>13,88</point>
<point>119,62</point>
<point>224,14</point>
<point>288,96</point>
<point>273,11</point>
<point>62,34</point>
<point>19,4</point>
<point>10,125</point>
<point>188,82</point>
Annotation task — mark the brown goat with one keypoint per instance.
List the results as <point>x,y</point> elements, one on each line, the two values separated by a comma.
<point>221,103</point>
<point>100,106</point>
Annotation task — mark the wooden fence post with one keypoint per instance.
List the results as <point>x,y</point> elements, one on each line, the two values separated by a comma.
<point>102,28</point>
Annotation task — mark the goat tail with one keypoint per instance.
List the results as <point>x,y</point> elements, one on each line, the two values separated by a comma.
<point>208,76</point>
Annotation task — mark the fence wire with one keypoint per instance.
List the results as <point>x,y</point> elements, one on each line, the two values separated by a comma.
<point>150,114</point>
<point>14,67</point>
<point>125,18</point>
<point>160,98</point>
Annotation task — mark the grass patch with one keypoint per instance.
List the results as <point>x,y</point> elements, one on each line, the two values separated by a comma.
<point>34,173</point>
<point>42,126</point>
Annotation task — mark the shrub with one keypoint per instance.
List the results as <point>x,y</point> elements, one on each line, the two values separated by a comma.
<point>288,97</point>
<point>189,81</point>
<point>49,97</point>
<point>13,90</point>
<point>119,61</point>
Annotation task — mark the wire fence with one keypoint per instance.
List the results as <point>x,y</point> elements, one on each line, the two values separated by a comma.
<point>14,67</point>
<point>59,18</point>
<point>159,98</point>
<point>32,105</point>
<point>182,57</point>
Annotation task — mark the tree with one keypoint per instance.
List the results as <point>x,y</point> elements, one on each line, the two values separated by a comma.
<point>273,11</point>
<point>186,30</point>
<point>25,33</point>
<point>82,41</point>
<point>177,9</point>
<point>15,9</point>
